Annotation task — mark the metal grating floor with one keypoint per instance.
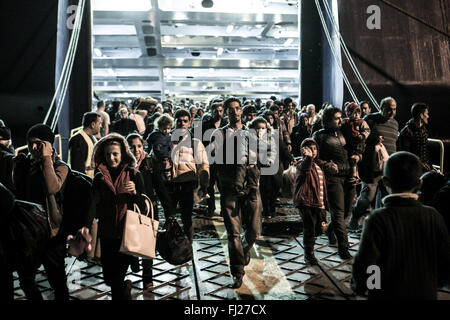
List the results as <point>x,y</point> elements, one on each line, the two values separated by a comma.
<point>276,270</point>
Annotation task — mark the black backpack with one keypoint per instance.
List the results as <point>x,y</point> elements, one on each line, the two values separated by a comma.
<point>27,233</point>
<point>172,244</point>
<point>77,202</point>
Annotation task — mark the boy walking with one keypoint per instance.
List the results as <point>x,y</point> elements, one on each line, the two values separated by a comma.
<point>310,195</point>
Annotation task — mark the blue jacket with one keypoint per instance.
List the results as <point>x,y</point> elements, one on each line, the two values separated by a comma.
<point>160,144</point>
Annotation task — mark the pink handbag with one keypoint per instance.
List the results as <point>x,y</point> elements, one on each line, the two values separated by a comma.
<point>139,232</point>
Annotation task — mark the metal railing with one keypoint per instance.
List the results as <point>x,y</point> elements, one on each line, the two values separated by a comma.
<point>440,168</point>
<point>17,150</point>
<point>75,130</point>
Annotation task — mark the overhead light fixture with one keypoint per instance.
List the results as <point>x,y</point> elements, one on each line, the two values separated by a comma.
<point>179,35</point>
<point>229,28</point>
<point>180,59</point>
<point>219,51</point>
<point>98,52</point>
<point>120,86</point>
<point>288,42</point>
<point>207,4</point>
<point>180,48</point>
<point>167,38</point>
<point>120,5</point>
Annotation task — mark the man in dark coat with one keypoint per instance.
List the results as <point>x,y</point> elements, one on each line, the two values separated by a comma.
<point>124,125</point>
<point>81,145</point>
<point>405,247</point>
<point>383,129</point>
<point>341,193</point>
<point>414,135</point>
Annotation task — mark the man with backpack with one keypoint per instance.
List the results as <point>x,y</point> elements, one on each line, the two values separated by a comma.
<point>39,177</point>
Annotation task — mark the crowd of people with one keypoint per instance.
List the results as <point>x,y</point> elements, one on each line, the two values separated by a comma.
<point>348,162</point>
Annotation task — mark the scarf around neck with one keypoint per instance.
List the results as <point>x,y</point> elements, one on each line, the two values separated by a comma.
<point>117,187</point>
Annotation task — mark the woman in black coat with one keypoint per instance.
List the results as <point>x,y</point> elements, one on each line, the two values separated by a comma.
<point>117,187</point>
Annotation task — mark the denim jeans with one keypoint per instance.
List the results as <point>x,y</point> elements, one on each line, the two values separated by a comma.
<point>340,199</point>
<point>240,212</point>
<point>366,196</point>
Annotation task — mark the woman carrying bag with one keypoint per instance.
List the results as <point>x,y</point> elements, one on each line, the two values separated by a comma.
<point>117,186</point>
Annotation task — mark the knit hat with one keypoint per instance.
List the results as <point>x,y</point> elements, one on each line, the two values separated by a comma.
<point>5,133</point>
<point>350,108</point>
<point>41,131</point>
<point>309,141</point>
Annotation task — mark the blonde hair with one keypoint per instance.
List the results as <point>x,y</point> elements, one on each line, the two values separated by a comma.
<point>163,121</point>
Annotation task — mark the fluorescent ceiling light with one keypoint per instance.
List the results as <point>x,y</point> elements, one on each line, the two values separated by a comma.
<point>120,86</point>
<point>288,42</point>
<point>230,28</point>
<point>180,59</point>
<point>180,48</point>
<point>219,51</point>
<point>113,29</point>
<point>120,5</point>
<point>167,38</point>
<point>229,6</point>
<point>244,63</point>
<point>179,35</point>
<point>98,52</point>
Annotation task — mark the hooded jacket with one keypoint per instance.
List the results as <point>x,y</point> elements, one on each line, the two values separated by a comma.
<point>111,198</point>
<point>307,182</point>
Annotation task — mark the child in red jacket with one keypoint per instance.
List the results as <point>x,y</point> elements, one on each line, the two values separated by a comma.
<point>310,195</point>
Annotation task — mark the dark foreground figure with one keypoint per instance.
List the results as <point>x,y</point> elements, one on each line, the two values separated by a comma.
<point>407,241</point>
